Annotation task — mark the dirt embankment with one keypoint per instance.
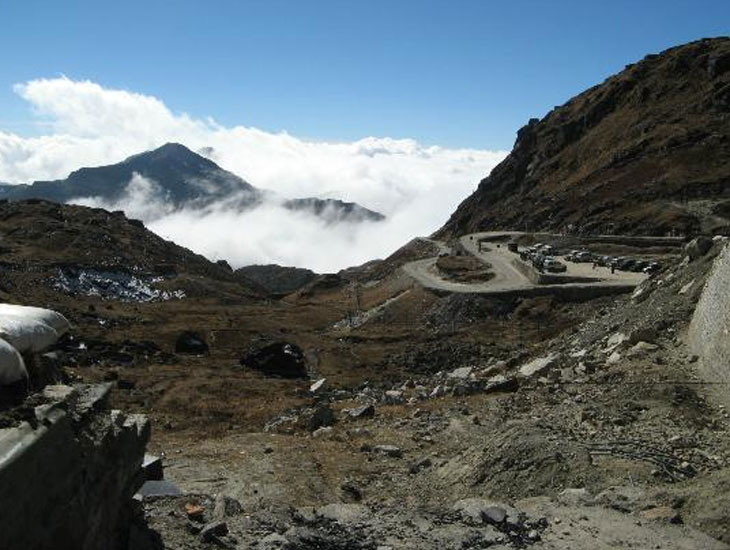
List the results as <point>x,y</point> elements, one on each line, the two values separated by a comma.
<point>463,269</point>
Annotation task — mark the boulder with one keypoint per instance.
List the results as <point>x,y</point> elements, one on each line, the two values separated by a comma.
<point>319,416</point>
<point>501,383</point>
<point>462,373</point>
<point>325,432</point>
<point>191,342</point>
<point>537,366</point>
<point>318,385</point>
<point>226,506</point>
<point>698,247</point>
<point>640,349</point>
<point>393,397</point>
<point>214,530</point>
<point>477,511</point>
<point>280,359</point>
<point>366,411</point>
<point>389,450</point>
<point>644,334</point>
<point>686,288</point>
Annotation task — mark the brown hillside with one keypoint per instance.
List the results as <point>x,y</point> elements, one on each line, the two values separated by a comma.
<point>646,152</point>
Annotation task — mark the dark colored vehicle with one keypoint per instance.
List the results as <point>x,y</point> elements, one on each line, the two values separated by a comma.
<point>554,266</point>
<point>653,267</point>
<point>626,264</point>
<point>583,257</point>
<point>639,266</point>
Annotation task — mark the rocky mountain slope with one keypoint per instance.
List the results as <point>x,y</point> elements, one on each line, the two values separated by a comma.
<point>645,152</point>
<point>179,178</point>
<point>277,279</point>
<point>47,247</point>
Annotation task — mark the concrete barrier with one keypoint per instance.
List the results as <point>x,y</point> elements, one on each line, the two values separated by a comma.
<point>709,331</point>
<point>67,481</point>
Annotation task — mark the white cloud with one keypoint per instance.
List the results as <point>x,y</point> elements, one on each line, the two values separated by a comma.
<point>142,199</point>
<point>416,186</point>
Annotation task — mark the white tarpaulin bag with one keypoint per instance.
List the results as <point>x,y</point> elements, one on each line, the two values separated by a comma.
<point>47,316</point>
<point>26,335</point>
<point>12,367</point>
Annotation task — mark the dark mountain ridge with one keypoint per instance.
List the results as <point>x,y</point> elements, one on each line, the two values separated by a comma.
<point>185,180</point>
<point>645,152</point>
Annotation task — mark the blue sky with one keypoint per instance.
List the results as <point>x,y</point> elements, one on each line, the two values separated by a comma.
<point>455,73</point>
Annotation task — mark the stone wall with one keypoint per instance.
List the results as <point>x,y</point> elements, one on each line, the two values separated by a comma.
<point>68,475</point>
<point>709,332</point>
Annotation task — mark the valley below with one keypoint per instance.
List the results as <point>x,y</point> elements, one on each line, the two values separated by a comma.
<point>369,410</point>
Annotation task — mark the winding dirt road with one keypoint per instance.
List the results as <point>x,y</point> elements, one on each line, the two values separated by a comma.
<point>507,277</point>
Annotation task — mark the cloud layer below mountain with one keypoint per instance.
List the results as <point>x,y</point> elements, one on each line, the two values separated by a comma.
<point>415,186</point>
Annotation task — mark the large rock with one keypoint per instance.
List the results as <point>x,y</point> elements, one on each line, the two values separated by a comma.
<point>365,411</point>
<point>68,482</point>
<point>317,417</point>
<point>710,326</point>
<point>191,342</point>
<point>477,511</point>
<point>698,247</point>
<point>280,359</point>
<point>642,334</point>
<point>537,366</point>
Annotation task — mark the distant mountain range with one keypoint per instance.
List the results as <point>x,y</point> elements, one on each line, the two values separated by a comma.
<point>184,179</point>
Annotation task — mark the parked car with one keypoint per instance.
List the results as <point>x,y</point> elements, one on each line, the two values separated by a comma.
<point>538,260</point>
<point>653,267</point>
<point>583,257</point>
<point>554,266</point>
<point>626,264</point>
<point>639,266</point>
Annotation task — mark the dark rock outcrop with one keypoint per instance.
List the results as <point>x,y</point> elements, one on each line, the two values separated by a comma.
<point>191,342</point>
<point>280,359</point>
<point>334,210</point>
<point>68,476</point>
<point>276,279</point>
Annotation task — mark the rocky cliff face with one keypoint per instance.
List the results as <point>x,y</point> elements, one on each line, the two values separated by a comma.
<point>708,332</point>
<point>645,152</point>
<point>69,471</point>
